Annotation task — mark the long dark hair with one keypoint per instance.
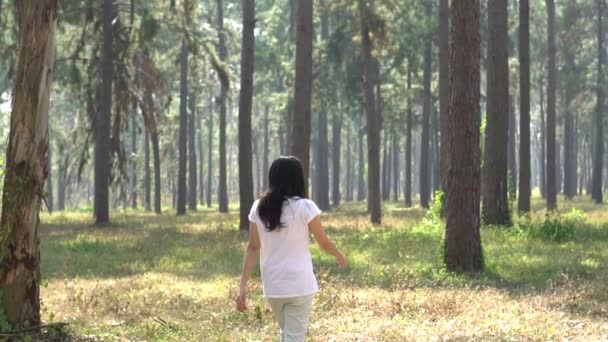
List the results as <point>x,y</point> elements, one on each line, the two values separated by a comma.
<point>286,180</point>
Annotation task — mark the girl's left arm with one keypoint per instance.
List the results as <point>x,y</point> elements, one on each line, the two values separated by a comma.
<point>251,256</point>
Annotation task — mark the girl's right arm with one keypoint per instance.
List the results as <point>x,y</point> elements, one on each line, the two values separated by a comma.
<point>325,243</point>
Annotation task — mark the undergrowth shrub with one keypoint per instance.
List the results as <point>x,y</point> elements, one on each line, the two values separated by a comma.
<point>556,228</point>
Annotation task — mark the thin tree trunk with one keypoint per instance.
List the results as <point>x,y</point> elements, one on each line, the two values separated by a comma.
<point>245,105</point>
<point>408,140</point>
<point>373,125</point>
<point>336,142</point>
<point>551,193</point>
<point>61,176</point>
<point>223,184</point>
<point>300,135</point>
<point>156,161</point>
<point>435,148</point>
<point>512,151</point>
<point>183,133</point>
<point>102,122</point>
<point>525,190</point>
<point>543,143</point>
<point>134,152</point>
<point>425,176</point>
<point>26,165</point>
<point>569,131</point>
<point>210,155</point>
<point>192,195</point>
<point>361,160</point>
<point>444,86</point>
<point>349,164</point>
<point>322,167</point>
<point>462,237</point>
<point>201,157</point>
<point>147,178</point>
<point>598,149</point>
<point>49,177</point>
<point>395,167</point>
<point>385,168</point>
<point>266,152</point>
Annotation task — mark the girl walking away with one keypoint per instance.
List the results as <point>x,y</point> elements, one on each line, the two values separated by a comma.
<point>280,224</point>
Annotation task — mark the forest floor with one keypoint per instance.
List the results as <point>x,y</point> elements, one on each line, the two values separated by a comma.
<point>167,278</point>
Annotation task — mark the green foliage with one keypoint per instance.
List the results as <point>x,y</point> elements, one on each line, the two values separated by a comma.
<point>437,210</point>
<point>556,228</point>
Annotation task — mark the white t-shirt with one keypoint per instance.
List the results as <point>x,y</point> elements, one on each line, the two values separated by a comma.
<point>285,260</point>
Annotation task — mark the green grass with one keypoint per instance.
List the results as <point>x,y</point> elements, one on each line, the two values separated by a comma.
<point>167,278</point>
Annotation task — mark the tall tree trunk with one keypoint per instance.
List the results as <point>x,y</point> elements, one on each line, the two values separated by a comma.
<point>551,193</point>
<point>425,176</point>
<point>525,191</point>
<point>543,143</point>
<point>385,168</point>
<point>223,184</point>
<point>61,176</point>
<point>336,142</point>
<point>192,194</point>
<point>147,178</point>
<point>201,157</point>
<point>444,86</point>
<point>435,150</point>
<point>361,161</point>
<point>569,130</point>
<point>395,167</point>
<point>156,161</point>
<point>26,165</point>
<point>322,167</point>
<point>210,155</point>
<point>349,164</point>
<point>598,148</point>
<point>49,177</point>
<point>462,237</point>
<point>134,152</point>
<point>558,171</point>
<point>495,206</point>
<point>373,124</point>
<point>300,135</point>
<point>512,151</point>
<point>102,121</point>
<point>245,104</point>
<point>266,152</point>
<point>408,140</point>
<point>183,133</point>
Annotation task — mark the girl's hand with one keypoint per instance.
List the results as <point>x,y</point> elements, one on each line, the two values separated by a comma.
<point>341,260</point>
<point>241,299</point>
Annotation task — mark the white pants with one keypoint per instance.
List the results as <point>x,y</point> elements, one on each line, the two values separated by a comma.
<point>293,315</point>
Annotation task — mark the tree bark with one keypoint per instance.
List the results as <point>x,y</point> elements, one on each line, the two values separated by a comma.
<point>49,177</point>
<point>300,135</point>
<point>223,184</point>
<point>349,165</point>
<point>551,193</point>
<point>525,190</point>
<point>425,176</point>
<point>598,149</point>
<point>444,86</point>
<point>322,167</point>
<point>463,250</point>
<point>336,142</point>
<point>210,155</point>
<point>512,152</point>
<point>157,184</point>
<point>183,133</point>
<point>147,178</point>
<point>102,122</point>
<point>245,105</point>
<point>192,175</point>
<point>395,167</point>
<point>133,153</point>
<point>495,206</point>
<point>373,125</point>
<point>201,157</point>
<point>265,161</point>
<point>543,143</point>
<point>26,164</point>
<point>361,163</point>
<point>408,140</point>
